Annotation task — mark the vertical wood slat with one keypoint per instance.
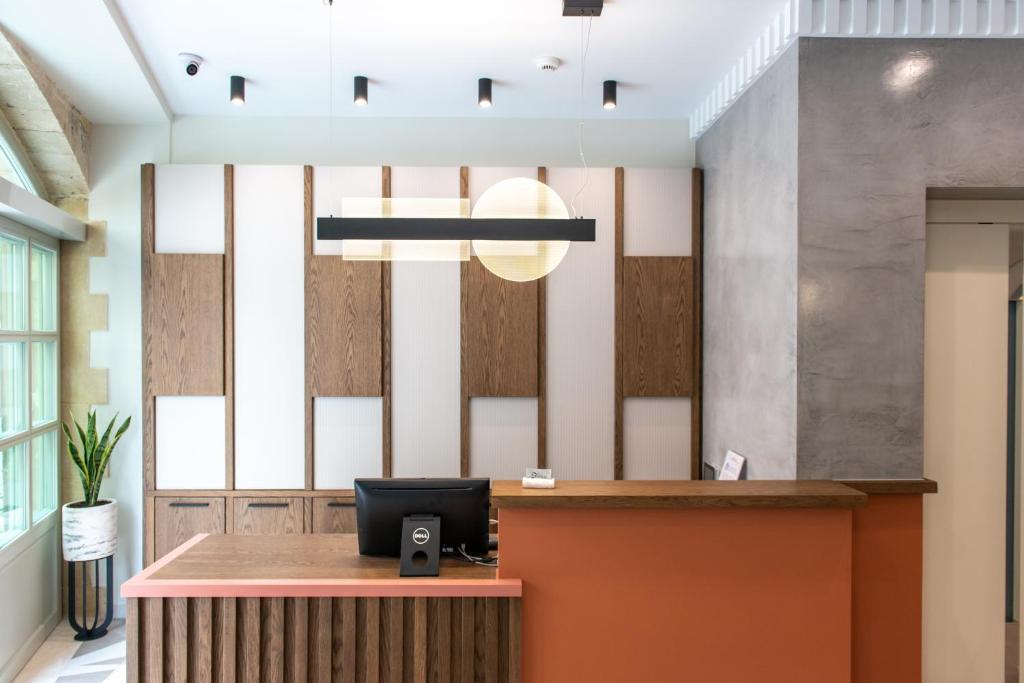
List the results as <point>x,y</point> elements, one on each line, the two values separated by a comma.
<point>248,647</point>
<point>385,351</point>
<point>515,617</point>
<point>542,343</point>
<point>307,195</point>
<point>491,631</point>
<point>132,640</point>
<point>225,636</point>
<point>346,652</point>
<point>176,640</point>
<point>296,639</point>
<point>467,632</point>
<point>148,402</point>
<point>229,326</point>
<point>464,455</point>
<point>200,640</point>
<point>420,645</point>
<point>319,639</point>
<point>153,646</point>
<point>391,644</point>
<point>271,626</point>
<point>619,224</point>
<point>697,254</point>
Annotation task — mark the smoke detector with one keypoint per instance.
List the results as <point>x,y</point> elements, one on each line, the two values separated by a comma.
<point>548,63</point>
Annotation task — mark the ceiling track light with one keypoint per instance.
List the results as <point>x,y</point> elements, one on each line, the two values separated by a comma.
<point>238,90</point>
<point>484,93</point>
<point>611,89</point>
<point>362,91</point>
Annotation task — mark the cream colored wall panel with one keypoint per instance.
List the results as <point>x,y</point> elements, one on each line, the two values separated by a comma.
<point>411,182</point>
<point>656,216</point>
<point>481,178</point>
<point>581,337</point>
<point>31,598</point>
<point>333,183</point>
<point>189,208</point>
<point>656,438</point>
<point>502,437</point>
<point>269,328</point>
<point>425,347</point>
<point>347,440</point>
<point>965,451</point>
<point>190,442</point>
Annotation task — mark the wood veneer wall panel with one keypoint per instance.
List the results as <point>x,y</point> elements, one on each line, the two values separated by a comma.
<point>619,274</point>
<point>697,253</point>
<point>148,194</point>
<point>657,326</point>
<point>229,326</point>
<point>499,331</point>
<point>542,358</point>
<point>385,339</point>
<point>185,325</point>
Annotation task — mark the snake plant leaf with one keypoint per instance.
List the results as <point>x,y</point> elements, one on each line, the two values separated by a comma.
<point>92,454</point>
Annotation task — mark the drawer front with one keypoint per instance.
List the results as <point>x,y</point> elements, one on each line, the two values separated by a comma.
<point>334,516</point>
<point>176,520</point>
<point>269,515</point>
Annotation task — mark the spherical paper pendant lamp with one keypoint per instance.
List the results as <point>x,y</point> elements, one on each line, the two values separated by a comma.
<point>520,261</point>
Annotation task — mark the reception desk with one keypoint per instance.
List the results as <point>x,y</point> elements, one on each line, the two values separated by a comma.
<point>598,581</point>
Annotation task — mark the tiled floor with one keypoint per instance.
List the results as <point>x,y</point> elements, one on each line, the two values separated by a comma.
<point>61,659</point>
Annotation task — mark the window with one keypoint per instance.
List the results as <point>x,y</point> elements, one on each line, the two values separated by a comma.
<point>29,379</point>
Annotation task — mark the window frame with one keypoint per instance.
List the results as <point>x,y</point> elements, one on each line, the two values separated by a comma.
<point>27,336</point>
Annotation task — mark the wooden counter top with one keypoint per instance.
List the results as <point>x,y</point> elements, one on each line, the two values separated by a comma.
<point>878,487</point>
<point>678,494</point>
<point>306,565</point>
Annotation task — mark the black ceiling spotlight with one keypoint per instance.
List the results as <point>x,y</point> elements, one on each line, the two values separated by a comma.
<point>483,93</point>
<point>582,8</point>
<point>238,90</point>
<point>611,89</point>
<point>362,90</point>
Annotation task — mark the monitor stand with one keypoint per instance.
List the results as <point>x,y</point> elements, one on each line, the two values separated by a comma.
<point>421,545</point>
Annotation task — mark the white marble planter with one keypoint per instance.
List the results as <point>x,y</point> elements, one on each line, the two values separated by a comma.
<point>90,533</point>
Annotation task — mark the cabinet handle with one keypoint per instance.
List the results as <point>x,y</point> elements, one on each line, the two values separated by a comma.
<point>188,505</point>
<point>268,505</point>
<point>335,504</point>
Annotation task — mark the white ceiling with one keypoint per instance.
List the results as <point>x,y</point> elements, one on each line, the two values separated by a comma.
<point>423,58</point>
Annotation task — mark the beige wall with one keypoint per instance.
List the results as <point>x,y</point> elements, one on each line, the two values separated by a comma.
<point>966,281</point>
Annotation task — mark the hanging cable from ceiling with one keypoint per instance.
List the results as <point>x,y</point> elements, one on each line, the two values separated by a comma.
<point>584,51</point>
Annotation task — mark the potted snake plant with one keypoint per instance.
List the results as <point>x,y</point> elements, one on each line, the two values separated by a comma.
<point>90,525</point>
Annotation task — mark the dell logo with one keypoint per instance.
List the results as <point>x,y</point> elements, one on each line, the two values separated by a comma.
<point>420,536</point>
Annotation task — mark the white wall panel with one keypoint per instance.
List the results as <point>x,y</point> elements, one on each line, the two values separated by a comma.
<point>190,442</point>
<point>656,438</point>
<point>30,596</point>
<point>502,437</point>
<point>347,440</point>
<point>656,216</point>
<point>581,337</point>
<point>425,343</point>
<point>189,208</point>
<point>269,328</point>
<point>331,184</point>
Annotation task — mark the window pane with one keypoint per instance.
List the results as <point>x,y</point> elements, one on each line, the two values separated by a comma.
<point>44,289</point>
<point>44,382</point>
<point>12,283</point>
<point>44,475</point>
<point>13,480</point>
<point>13,389</point>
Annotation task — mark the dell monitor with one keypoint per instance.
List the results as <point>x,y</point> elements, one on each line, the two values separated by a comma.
<point>461,506</point>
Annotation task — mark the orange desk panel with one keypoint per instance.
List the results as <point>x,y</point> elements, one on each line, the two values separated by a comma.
<point>703,595</point>
<point>887,579</point>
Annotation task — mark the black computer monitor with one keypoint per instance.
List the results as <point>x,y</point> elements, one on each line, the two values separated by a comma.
<point>462,504</point>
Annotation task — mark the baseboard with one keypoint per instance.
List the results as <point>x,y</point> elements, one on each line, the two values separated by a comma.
<point>28,648</point>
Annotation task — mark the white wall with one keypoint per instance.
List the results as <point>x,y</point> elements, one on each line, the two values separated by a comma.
<point>118,152</point>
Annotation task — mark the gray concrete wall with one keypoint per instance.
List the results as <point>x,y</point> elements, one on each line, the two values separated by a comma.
<point>750,289</point>
<point>880,121</point>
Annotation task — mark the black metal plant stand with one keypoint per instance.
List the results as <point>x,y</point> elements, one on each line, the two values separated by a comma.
<point>92,632</point>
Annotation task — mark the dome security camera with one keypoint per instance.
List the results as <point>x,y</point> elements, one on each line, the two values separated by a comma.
<point>192,62</point>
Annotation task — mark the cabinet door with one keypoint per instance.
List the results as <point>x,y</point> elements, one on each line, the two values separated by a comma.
<point>334,516</point>
<point>178,519</point>
<point>268,515</point>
